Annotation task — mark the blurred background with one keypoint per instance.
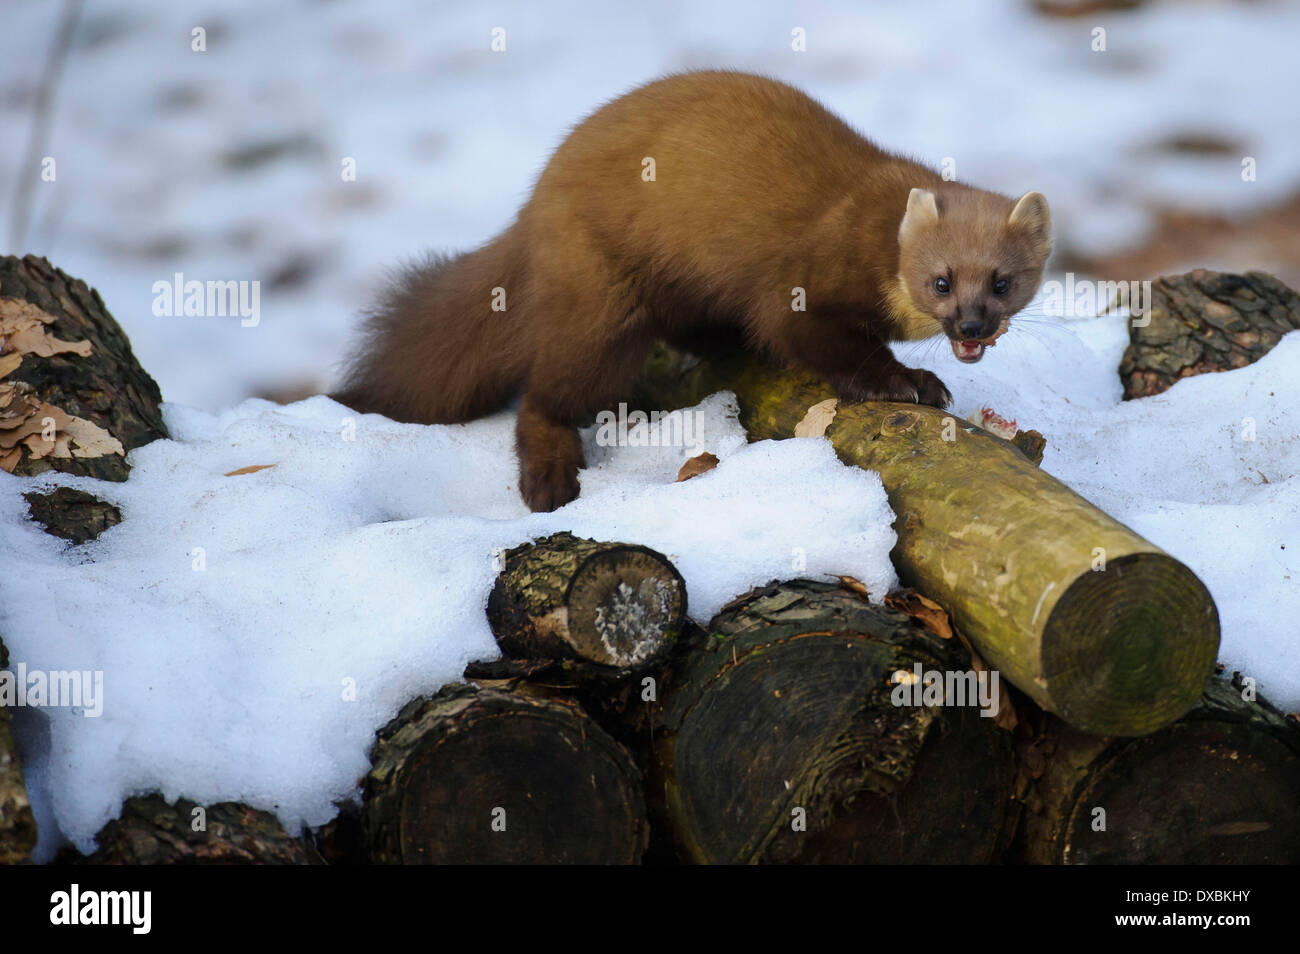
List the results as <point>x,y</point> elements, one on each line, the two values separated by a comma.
<point>1136,119</point>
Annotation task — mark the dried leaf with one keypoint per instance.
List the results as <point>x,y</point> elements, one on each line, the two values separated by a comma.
<point>817,420</point>
<point>250,469</point>
<point>9,362</point>
<point>922,609</point>
<point>854,585</point>
<point>699,464</point>
<point>22,330</point>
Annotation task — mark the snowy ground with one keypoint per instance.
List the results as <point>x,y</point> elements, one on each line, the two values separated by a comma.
<point>230,614</point>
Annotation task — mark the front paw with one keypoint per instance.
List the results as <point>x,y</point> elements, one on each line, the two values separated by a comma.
<point>907,385</point>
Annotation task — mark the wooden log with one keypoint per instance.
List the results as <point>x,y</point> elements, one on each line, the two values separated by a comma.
<point>788,717</point>
<point>1012,553</point>
<point>17,824</point>
<point>1220,786</point>
<point>73,398</point>
<point>482,776</point>
<point>1205,321</point>
<point>152,832</point>
<point>563,597</point>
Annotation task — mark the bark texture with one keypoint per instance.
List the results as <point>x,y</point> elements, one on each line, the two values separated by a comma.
<point>1206,321</point>
<point>74,357</point>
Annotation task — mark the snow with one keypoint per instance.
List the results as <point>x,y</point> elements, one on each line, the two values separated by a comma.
<point>230,614</point>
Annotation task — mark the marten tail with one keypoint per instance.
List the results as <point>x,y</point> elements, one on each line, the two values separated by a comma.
<point>434,350</point>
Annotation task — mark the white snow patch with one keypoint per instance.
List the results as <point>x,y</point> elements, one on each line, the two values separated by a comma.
<point>364,562</point>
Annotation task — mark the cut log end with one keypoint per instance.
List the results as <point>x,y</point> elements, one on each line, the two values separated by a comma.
<point>625,605</point>
<point>489,777</point>
<point>1126,649</point>
<point>562,597</point>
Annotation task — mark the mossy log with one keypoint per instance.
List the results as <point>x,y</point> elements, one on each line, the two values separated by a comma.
<point>482,776</point>
<point>152,832</point>
<point>73,397</point>
<point>17,824</point>
<point>563,597</point>
<point>783,742</point>
<point>1220,786</point>
<point>1013,554</point>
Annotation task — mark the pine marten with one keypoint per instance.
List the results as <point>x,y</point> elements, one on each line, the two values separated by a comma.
<point>704,198</point>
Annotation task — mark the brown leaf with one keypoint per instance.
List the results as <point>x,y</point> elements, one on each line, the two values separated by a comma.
<point>817,419</point>
<point>854,585</point>
<point>22,330</point>
<point>699,464</point>
<point>250,469</point>
<point>9,362</point>
<point>922,609</point>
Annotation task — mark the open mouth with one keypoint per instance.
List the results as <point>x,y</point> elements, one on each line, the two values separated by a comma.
<point>970,350</point>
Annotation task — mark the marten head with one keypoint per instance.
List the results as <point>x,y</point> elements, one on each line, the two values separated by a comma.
<point>971,259</point>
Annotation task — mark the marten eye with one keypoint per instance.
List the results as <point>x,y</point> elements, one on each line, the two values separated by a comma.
<point>1000,286</point>
<point>941,286</point>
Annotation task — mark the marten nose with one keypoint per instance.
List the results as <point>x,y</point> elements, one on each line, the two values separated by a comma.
<point>971,328</point>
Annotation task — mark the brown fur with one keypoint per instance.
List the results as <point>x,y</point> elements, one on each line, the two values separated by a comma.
<point>758,190</point>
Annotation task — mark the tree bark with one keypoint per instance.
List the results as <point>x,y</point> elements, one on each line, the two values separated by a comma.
<point>482,776</point>
<point>567,598</point>
<point>72,514</point>
<point>151,832</point>
<point>61,349</point>
<point>1206,321</point>
<point>1011,552</point>
<point>17,824</point>
<point>1220,786</point>
<point>788,717</point>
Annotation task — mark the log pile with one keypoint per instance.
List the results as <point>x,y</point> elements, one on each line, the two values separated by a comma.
<point>1039,695</point>
<point>1089,619</point>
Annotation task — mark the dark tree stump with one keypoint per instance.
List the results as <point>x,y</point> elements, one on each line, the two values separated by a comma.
<point>72,514</point>
<point>1206,321</point>
<point>563,597</point>
<point>789,708</point>
<point>17,824</point>
<point>482,776</point>
<point>1220,786</point>
<point>106,387</point>
<point>151,832</point>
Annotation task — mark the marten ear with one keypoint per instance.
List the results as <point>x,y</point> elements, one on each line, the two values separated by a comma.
<point>922,211</point>
<point>1032,216</point>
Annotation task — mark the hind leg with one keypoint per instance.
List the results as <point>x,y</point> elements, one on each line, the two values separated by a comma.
<point>567,387</point>
<point>550,455</point>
